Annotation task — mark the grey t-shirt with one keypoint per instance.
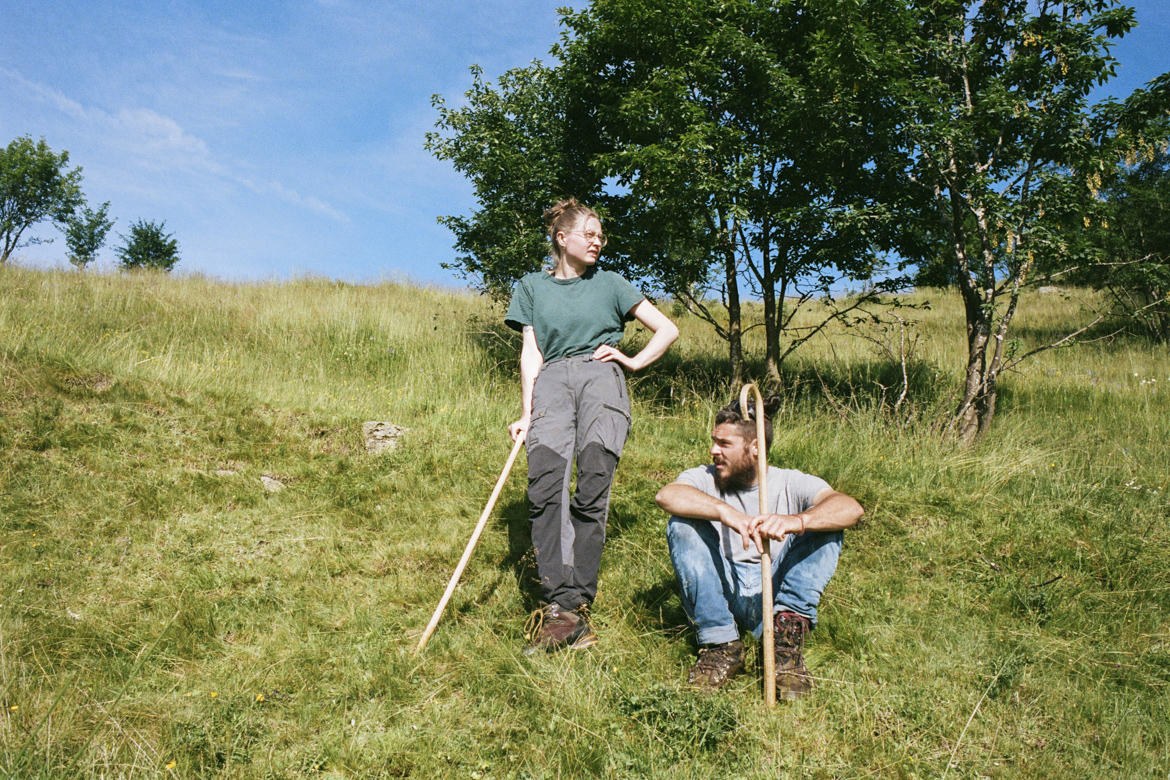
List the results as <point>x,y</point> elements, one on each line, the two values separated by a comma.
<point>790,492</point>
<point>573,316</point>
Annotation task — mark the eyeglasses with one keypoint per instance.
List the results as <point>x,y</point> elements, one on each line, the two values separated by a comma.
<point>590,236</point>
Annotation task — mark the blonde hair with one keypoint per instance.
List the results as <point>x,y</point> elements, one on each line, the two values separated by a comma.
<point>562,217</point>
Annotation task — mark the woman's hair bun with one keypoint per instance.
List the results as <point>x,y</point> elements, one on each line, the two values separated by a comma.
<point>554,212</point>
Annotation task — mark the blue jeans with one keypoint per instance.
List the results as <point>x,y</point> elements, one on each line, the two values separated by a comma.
<point>718,593</point>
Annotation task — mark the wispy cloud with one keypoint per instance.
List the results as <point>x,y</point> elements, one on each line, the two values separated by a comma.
<point>242,74</point>
<point>157,142</point>
<point>292,196</point>
<point>157,136</point>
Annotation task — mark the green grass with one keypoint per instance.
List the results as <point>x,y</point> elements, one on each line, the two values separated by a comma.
<point>1002,612</point>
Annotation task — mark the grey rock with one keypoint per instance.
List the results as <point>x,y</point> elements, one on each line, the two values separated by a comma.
<point>271,485</point>
<point>1049,290</point>
<point>381,436</point>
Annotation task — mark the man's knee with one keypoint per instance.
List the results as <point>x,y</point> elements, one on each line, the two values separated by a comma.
<point>691,537</point>
<point>679,534</point>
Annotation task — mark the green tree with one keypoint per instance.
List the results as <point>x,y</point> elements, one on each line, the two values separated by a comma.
<point>148,246</point>
<point>713,125</point>
<point>1134,239</point>
<point>1005,149</point>
<point>35,185</point>
<point>748,139</point>
<point>85,233</point>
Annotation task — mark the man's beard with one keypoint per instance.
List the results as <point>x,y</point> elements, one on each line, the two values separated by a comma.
<point>739,477</point>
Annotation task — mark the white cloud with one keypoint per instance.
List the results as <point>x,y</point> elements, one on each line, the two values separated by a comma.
<point>241,74</point>
<point>292,196</point>
<point>144,138</point>
<point>158,135</point>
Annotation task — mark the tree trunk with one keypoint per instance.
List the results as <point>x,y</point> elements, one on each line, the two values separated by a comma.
<point>967,418</point>
<point>731,294</point>
<point>734,325</point>
<point>772,309</point>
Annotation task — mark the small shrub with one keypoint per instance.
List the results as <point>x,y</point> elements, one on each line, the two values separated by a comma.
<point>148,246</point>
<point>85,233</point>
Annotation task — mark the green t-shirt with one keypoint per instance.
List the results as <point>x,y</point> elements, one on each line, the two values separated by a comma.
<point>573,316</point>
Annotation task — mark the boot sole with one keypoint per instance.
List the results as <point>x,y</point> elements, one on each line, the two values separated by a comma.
<point>581,643</point>
<point>584,642</point>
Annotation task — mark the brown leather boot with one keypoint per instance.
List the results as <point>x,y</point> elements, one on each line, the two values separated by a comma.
<point>551,628</point>
<point>717,664</point>
<point>792,679</point>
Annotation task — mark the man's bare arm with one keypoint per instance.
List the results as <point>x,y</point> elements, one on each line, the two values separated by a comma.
<point>687,501</point>
<point>831,511</point>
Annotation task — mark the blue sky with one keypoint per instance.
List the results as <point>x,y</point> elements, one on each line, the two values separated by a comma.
<point>278,139</point>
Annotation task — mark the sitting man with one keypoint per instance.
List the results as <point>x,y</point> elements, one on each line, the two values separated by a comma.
<point>719,572</point>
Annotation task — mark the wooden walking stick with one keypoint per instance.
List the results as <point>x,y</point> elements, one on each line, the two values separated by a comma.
<point>470,545</point>
<point>769,637</point>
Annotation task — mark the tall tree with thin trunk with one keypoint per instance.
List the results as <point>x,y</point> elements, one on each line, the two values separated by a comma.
<point>735,149</point>
<point>1004,146</point>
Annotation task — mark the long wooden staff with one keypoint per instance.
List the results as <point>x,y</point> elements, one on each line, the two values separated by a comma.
<point>470,546</point>
<point>769,637</point>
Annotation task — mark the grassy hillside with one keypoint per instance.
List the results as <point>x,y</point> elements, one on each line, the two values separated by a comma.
<point>1003,612</point>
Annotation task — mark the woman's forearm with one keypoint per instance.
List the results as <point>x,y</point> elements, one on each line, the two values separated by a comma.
<point>664,333</point>
<point>657,345</point>
<point>530,362</point>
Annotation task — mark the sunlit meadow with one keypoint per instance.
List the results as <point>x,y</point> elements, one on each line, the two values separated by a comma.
<point>1000,612</point>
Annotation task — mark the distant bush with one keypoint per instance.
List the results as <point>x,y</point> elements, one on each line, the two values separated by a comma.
<point>85,233</point>
<point>148,246</point>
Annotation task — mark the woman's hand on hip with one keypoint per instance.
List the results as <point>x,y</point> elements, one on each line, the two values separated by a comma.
<point>607,354</point>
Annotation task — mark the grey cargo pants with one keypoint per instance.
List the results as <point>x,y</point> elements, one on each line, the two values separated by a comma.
<point>580,410</point>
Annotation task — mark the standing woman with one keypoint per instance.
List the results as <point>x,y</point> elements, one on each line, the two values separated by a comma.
<point>574,406</point>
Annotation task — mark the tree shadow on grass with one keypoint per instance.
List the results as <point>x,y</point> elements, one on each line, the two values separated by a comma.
<point>670,380</point>
<point>1111,331</point>
<point>867,383</point>
<point>677,376</point>
<point>663,384</point>
<point>520,560</point>
<point>661,609</point>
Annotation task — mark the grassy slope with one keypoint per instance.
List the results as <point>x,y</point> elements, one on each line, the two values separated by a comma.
<point>1002,612</point>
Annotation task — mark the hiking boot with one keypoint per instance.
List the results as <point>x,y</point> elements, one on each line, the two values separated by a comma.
<point>551,628</point>
<point>792,679</point>
<point>716,665</point>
